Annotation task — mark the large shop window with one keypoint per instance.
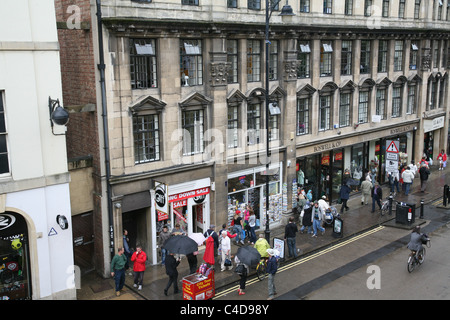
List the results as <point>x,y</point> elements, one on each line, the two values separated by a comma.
<point>247,188</point>
<point>15,281</point>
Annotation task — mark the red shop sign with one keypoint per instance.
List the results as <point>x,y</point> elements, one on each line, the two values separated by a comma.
<point>162,216</point>
<point>188,194</point>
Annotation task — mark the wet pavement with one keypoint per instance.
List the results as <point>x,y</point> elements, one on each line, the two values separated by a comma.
<point>356,220</point>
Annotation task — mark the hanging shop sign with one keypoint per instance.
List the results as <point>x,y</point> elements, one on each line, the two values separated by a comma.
<point>161,198</point>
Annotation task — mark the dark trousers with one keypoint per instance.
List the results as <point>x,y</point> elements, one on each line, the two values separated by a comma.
<point>119,278</point>
<point>138,277</point>
<point>172,279</point>
<point>242,281</point>
<point>344,205</point>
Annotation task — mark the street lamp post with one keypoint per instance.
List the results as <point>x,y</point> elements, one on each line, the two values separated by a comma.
<point>285,11</point>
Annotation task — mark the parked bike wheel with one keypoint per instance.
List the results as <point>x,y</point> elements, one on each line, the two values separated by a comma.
<point>384,209</point>
<point>261,271</point>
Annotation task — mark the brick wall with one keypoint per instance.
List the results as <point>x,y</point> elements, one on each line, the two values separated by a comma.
<point>78,70</point>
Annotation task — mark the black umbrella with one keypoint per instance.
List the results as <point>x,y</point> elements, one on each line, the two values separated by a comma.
<point>248,255</point>
<point>181,244</point>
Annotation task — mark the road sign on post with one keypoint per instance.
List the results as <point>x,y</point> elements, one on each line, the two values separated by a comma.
<point>392,147</point>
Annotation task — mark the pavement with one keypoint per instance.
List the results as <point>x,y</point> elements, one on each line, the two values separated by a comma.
<point>356,220</point>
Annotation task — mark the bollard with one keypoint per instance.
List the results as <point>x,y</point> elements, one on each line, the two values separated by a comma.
<point>421,209</point>
<point>390,204</point>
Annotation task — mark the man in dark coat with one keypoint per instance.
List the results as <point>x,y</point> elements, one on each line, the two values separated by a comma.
<point>172,272</point>
<point>423,173</point>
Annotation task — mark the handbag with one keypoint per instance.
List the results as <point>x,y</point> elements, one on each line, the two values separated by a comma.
<point>240,269</point>
<point>227,263</point>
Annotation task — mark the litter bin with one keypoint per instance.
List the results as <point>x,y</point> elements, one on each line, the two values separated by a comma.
<point>338,227</point>
<point>405,213</point>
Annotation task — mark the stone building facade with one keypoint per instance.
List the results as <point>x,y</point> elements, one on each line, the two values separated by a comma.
<point>185,91</point>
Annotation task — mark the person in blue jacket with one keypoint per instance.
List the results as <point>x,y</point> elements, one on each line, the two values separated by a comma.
<point>272,266</point>
<point>345,195</point>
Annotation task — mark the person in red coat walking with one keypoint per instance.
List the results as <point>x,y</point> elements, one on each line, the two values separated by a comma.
<point>139,258</point>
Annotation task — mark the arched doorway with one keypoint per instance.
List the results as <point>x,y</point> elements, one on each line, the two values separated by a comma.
<point>15,276</point>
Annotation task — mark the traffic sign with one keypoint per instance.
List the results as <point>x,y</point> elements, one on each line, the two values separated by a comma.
<point>392,146</point>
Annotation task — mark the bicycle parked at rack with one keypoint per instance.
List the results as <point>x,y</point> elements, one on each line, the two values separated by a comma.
<point>416,258</point>
<point>385,204</point>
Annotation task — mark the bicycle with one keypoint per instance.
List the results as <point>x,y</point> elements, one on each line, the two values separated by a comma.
<point>385,204</point>
<point>416,258</point>
<point>261,268</point>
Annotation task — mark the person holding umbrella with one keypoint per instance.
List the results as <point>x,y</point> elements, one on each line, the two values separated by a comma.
<point>242,270</point>
<point>172,272</point>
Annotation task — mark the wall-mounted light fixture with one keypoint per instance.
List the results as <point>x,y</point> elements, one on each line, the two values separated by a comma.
<point>58,115</point>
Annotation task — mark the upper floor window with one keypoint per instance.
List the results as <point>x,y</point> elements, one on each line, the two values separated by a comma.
<point>382,55</point>
<point>367,8</point>
<point>326,58</point>
<point>190,2</point>
<point>143,66</point>
<point>348,10</point>
<point>345,109</point>
<point>398,55</point>
<point>4,162</point>
<point>273,60</point>
<point>191,62</point>
<point>232,3</point>
<point>254,4</point>
<point>304,60</point>
<point>346,57</point>
<point>365,56</point>
<point>146,138</point>
<point>305,6</point>
<point>193,127</point>
<point>232,58</point>
<point>328,6</point>
<point>417,9</point>
<point>253,60</point>
<point>401,9</point>
<point>385,9</point>
<point>413,56</point>
<point>254,122</point>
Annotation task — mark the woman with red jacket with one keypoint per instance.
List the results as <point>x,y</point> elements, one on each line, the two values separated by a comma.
<point>139,258</point>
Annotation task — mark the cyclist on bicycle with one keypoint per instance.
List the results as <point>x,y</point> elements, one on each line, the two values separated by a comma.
<point>417,238</point>
<point>262,245</point>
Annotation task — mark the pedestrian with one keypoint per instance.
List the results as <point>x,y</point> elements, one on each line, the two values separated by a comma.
<point>242,270</point>
<point>272,266</point>
<point>226,251</point>
<point>252,225</point>
<point>172,272</point>
<point>442,158</point>
<point>423,173</point>
<point>164,235</point>
<point>178,231</point>
<point>127,249</point>
<point>413,167</point>
<point>290,233</point>
<point>408,178</point>
<point>366,188</point>
<point>192,260</point>
<point>262,245</point>
<point>139,258</point>
<point>345,195</point>
<point>307,218</point>
<point>212,233</point>
<point>118,269</point>
<point>317,218</point>
<point>237,227</point>
<point>377,195</point>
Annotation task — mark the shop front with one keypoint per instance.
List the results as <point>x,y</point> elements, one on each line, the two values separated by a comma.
<point>188,208</point>
<point>15,282</point>
<point>328,165</point>
<point>247,188</point>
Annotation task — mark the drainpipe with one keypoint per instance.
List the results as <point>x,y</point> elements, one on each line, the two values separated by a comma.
<point>101,68</point>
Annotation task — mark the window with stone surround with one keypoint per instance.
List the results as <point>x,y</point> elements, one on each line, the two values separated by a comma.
<point>143,64</point>
<point>191,62</point>
<point>4,162</point>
